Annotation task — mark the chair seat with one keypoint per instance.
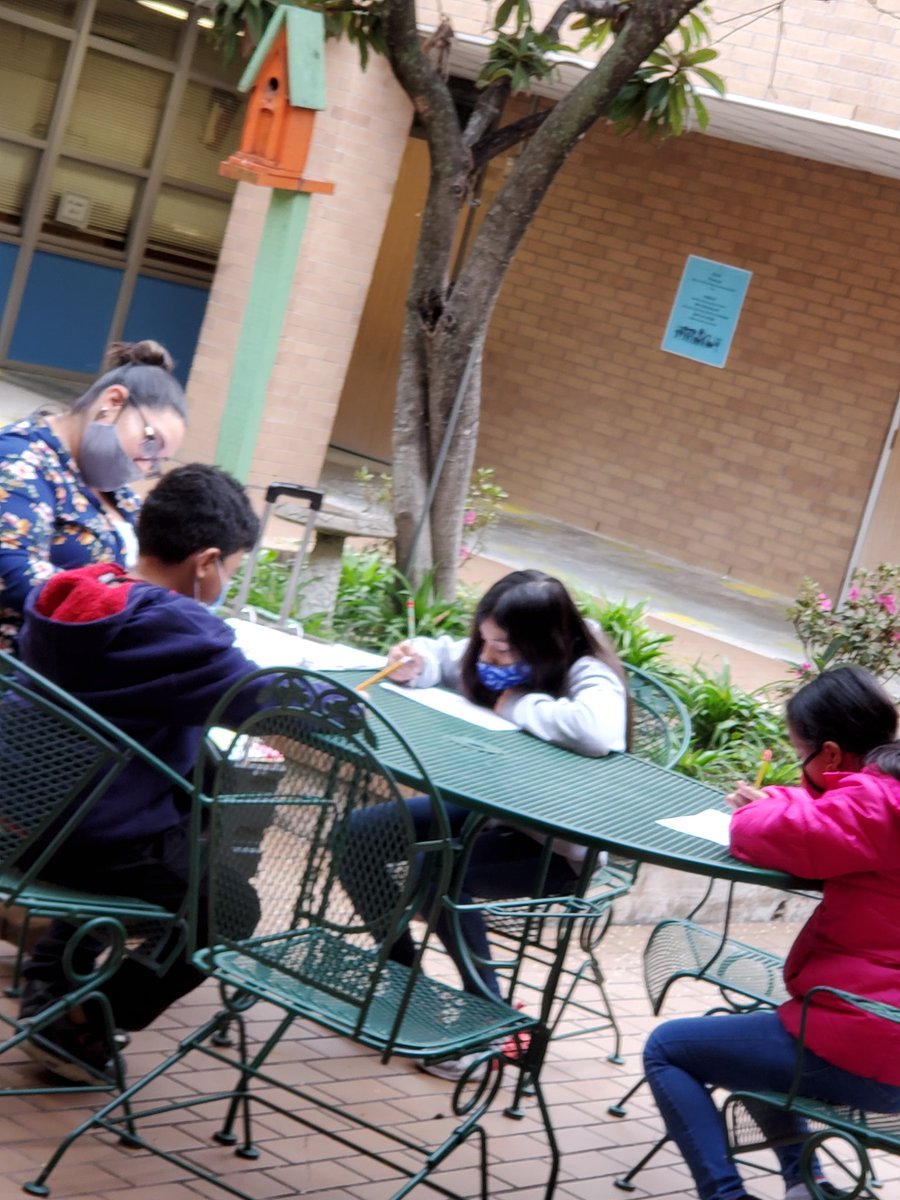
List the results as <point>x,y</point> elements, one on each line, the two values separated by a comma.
<point>52,899</point>
<point>878,1131</point>
<point>316,974</point>
<point>680,949</point>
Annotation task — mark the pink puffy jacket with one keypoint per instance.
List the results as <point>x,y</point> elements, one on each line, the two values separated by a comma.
<point>850,839</point>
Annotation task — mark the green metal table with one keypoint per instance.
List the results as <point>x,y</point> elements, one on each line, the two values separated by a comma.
<point>613,803</point>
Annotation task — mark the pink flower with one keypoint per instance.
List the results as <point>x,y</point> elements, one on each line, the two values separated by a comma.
<point>888,602</point>
<point>464,554</point>
<point>469,517</point>
<point>824,602</point>
<point>803,668</point>
<point>853,594</point>
<point>896,635</point>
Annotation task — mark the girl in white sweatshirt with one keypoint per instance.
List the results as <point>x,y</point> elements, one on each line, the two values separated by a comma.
<point>533,659</point>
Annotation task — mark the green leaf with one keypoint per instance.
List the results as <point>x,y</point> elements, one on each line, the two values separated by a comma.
<point>658,96</point>
<point>706,54</point>
<point>702,114</point>
<point>503,14</point>
<point>700,30</point>
<point>716,82</point>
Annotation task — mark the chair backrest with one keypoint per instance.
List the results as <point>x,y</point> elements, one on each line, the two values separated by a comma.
<point>336,861</point>
<point>660,724</point>
<point>58,758</point>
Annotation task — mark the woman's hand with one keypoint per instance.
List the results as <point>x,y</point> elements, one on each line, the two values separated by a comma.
<point>744,794</point>
<point>409,670</point>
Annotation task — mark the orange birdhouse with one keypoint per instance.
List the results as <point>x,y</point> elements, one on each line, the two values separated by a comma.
<point>286,81</point>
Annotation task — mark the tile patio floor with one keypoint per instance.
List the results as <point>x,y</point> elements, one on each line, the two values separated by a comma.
<point>579,1081</point>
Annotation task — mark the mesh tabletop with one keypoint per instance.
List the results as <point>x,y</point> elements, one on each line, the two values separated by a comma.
<point>614,802</point>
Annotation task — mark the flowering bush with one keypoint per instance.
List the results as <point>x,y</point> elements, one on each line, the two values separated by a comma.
<point>482,509</point>
<point>863,630</point>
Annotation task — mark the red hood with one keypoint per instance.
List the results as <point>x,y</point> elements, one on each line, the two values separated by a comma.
<point>90,593</point>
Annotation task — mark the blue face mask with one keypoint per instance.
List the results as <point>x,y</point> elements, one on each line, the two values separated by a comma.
<point>498,679</point>
<point>220,599</point>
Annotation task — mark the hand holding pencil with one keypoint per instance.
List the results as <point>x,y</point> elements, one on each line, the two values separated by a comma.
<point>403,665</point>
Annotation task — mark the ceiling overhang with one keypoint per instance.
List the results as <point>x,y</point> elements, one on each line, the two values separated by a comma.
<point>734,118</point>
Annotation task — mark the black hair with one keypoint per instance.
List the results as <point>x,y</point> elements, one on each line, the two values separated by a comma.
<point>145,369</point>
<point>849,707</point>
<point>193,508</point>
<point>544,628</point>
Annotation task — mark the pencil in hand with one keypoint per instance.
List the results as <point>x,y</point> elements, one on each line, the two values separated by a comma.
<point>384,672</point>
<point>763,767</point>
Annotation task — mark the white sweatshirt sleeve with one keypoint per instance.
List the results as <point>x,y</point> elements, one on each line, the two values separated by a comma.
<point>441,657</point>
<point>590,719</point>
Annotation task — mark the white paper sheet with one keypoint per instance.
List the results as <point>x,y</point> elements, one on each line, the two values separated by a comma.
<point>275,648</point>
<point>711,825</point>
<point>453,704</point>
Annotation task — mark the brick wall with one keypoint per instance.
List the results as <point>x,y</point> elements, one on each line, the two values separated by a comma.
<point>841,57</point>
<point>760,469</point>
<point>358,143</point>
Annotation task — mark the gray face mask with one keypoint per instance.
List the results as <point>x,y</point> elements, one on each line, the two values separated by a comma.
<point>103,463</point>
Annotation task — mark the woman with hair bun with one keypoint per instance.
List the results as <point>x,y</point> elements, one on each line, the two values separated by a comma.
<point>64,499</point>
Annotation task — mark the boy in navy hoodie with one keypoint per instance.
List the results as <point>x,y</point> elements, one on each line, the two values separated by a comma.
<point>143,649</point>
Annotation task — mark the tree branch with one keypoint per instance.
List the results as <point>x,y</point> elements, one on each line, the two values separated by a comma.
<point>510,135</point>
<point>421,81</point>
<point>600,10</point>
<point>486,113</point>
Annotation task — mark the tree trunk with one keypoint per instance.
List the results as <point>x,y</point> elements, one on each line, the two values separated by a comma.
<point>444,326</point>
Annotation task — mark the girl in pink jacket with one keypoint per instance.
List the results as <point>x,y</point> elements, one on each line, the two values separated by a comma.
<point>842,827</point>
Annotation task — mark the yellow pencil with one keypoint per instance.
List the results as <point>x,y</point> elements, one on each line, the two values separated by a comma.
<point>763,767</point>
<point>384,672</point>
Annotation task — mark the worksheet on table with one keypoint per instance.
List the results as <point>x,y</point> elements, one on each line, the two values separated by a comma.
<point>712,825</point>
<point>269,647</point>
<point>453,705</point>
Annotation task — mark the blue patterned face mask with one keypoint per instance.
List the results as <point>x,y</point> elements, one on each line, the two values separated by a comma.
<point>498,679</point>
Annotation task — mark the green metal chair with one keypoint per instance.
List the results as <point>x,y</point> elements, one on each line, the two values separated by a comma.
<point>660,732</point>
<point>744,976</point>
<point>539,931</point>
<point>840,1137</point>
<point>312,955</point>
<point>57,759</point>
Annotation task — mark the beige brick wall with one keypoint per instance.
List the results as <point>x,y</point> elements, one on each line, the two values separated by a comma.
<point>358,144</point>
<point>759,470</point>
<point>840,57</point>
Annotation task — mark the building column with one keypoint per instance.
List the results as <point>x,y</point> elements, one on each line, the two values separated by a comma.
<point>358,143</point>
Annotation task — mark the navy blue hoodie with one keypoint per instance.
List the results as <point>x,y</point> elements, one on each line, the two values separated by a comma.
<point>153,662</point>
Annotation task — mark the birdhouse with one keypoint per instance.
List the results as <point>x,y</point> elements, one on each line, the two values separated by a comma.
<point>286,81</point>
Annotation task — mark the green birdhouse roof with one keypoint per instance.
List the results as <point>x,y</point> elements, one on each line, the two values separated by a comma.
<point>305,32</point>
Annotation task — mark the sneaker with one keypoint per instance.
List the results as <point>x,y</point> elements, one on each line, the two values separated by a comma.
<point>453,1069</point>
<point>76,1052</point>
<point>801,1192</point>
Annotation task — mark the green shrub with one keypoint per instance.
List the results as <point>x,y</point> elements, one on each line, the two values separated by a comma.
<point>625,624</point>
<point>730,729</point>
<point>371,609</point>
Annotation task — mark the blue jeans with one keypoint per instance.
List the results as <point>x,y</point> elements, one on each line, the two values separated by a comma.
<point>502,866</point>
<point>743,1051</point>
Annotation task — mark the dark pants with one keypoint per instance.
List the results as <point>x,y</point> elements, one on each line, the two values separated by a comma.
<point>503,866</point>
<point>154,869</point>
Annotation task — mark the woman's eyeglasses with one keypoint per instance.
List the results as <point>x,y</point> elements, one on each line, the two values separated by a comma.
<point>151,447</point>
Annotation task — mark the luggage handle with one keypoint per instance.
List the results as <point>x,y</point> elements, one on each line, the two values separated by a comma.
<point>296,491</point>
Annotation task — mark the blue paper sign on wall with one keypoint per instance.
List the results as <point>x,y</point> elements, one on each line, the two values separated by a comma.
<point>706,310</point>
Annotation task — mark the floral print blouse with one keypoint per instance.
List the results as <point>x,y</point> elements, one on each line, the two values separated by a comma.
<point>49,520</point>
